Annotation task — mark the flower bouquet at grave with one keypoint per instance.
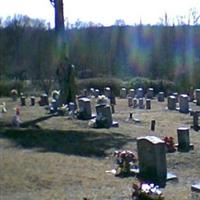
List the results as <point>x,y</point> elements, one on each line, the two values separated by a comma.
<point>63,110</point>
<point>170,145</point>
<point>125,160</point>
<point>144,191</point>
<point>14,94</point>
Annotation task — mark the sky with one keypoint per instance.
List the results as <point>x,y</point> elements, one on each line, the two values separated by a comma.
<point>105,12</point>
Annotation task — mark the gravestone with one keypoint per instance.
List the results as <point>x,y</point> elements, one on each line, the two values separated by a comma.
<point>150,93</point>
<point>195,191</point>
<point>140,93</point>
<point>195,115</point>
<point>176,96</point>
<point>123,93</point>
<point>148,104</point>
<point>44,100</point>
<point>141,103</point>
<point>32,100</point>
<point>161,97</point>
<point>72,106</point>
<point>107,92</point>
<point>183,139</point>
<point>134,103</point>
<point>54,105</point>
<point>85,111</point>
<point>130,101</point>
<point>84,93</point>
<point>96,93</point>
<point>197,94</point>
<point>152,159</point>
<point>104,116</point>
<point>153,125</point>
<point>171,103</point>
<point>23,100</point>
<point>131,93</point>
<point>184,103</point>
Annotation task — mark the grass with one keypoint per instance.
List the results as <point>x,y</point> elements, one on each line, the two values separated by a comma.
<point>60,158</point>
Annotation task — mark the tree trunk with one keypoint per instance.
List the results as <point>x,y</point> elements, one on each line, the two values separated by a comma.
<point>65,71</point>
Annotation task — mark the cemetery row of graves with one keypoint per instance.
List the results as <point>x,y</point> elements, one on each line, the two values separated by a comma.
<point>147,162</point>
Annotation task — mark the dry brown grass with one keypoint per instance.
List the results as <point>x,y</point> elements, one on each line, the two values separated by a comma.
<point>64,159</point>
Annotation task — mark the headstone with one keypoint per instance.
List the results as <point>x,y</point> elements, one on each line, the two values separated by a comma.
<point>107,92</point>
<point>85,111</point>
<point>153,125</point>
<point>32,100</point>
<point>141,103</point>
<point>44,100</point>
<point>150,93</point>
<point>195,191</point>
<point>54,104</point>
<point>131,93</point>
<point>72,106</point>
<point>23,100</point>
<point>152,159</point>
<point>171,103</point>
<point>123,93</point>
<point>148,104</point>
<point>84,93</point>
<point>134,103</point>
<point>176,96</point>
<point>104,115</point>
<point>195,115</point>
<point>197,94</point>
<point>96,93</point>
<point>183,139</point>
<point>91,91</point>
<point>184,103</point>
<point>161,97</point>
<point>140,93</point>
<point>130,101</point>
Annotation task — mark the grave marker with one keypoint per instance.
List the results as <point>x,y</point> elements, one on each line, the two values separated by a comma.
<point>171,103</point>
<point>152,159</point>
<point>184,103</point>
<point>161,97</point>
<point>197,94</point>
<point>85,111</point>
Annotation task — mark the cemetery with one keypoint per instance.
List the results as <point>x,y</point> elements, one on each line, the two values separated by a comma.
<point>96,112</point>
<point>48,154</point>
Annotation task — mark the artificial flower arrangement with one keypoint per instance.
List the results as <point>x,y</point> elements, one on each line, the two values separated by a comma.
<point>170,145</point>
<point>145,191</point>
<point>125,160</point>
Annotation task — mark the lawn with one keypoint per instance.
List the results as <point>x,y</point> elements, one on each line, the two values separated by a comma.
<point>60,158</point>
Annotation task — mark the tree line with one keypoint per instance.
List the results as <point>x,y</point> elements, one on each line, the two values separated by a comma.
<point>170,52</point>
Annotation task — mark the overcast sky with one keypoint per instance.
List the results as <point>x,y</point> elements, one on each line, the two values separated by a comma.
<point>102,11</point>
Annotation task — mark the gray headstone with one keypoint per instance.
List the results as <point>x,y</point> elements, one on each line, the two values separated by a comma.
<point>130,101</point>
<point>104,112</point>
<point>148,104</point>
<point>131,92</point>
<point>161,97</point>
<point>150,93</point>
<point>107,92</point>
<point>183,139</point>
<point>123,93</point>
<point>23,100</point>
<point>197,94</point>
<point>134,103</point>
<point>85,110</point>
<point>96,93</point>
<point>140,93</point>
<point>171,102</point>
<point>176,95</point>
<point>152,159</point>
<point>184,103</point>
<point>32,100</point>
<point>141,103</point>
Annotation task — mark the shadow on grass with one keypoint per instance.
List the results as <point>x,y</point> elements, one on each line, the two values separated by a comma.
<point>82,143</point>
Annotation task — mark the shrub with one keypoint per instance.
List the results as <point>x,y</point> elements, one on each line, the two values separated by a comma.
<point>101,83</point>
<point>7,85</point>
